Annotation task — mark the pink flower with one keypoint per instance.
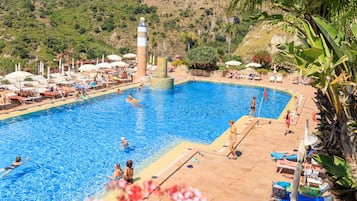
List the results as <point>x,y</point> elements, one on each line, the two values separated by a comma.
<point>149,188</point>
<point>135,193</point>
<point>122,183</point>
<point>177,196</point>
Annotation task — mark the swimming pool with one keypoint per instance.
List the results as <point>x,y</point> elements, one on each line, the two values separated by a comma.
<point>73,148</point>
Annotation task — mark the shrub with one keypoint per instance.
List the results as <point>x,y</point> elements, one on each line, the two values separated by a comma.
<point>177,62</point>
<point>5,82</point>
<point>203,57</point>
<point>149,188</point>
<point>28,79</point>
<point>263,57</point>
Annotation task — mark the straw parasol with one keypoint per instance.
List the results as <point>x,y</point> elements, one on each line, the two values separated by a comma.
<point>119,64</point>
<point>253,64</point>
<point>104,65</point>
<point>233,63</point>
<point>114,57</point>
<point>18,75</point>
<point>309,139</point>
<point>129,56</point>
<point>88,67</point>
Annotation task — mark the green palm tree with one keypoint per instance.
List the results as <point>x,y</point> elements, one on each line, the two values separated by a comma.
<point>231,30</point>
<point>332,71</point>
<point>189,38</point>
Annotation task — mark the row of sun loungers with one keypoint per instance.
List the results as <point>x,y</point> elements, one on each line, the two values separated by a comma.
<point>250,76</point>
<point>16,97</point>
<point>253,76</point>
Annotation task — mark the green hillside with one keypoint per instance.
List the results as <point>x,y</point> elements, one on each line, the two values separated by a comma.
<point>45,30</point>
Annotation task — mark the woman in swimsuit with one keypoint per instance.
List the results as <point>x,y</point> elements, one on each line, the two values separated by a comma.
<point>129,172</point>
<point>118,172</point>
<point>252,106</point>
<point>287,122</point>
<point>232,139</point>
<point>11,167</point>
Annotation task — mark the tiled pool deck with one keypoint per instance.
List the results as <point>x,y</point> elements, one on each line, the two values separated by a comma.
<point>218,178</point>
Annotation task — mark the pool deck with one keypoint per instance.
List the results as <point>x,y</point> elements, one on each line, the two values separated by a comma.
<point>218,178</point>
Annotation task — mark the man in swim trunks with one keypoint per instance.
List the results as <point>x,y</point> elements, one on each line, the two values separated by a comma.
<point>14,165</point>
<point>124,143</point>
<point>252,106</point>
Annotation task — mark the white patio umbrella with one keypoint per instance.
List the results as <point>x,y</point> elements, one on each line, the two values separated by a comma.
<point>119,64</point>
<point>114,57</point>
<point>233,63</point>
<point>18,75</point>
<point>129,56</point>
<point>297,173</point>
<point>309,139</point>
<point>104,65</point>
<point>253,64</point>
<point>249,69</point>
<point>88,67</point>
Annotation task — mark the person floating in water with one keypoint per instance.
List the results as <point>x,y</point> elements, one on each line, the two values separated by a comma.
<point>130,97</point>
<point>124,143</point>
<point>11,167</point>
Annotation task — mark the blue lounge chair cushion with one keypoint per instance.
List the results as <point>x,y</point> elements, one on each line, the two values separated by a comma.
<point>302,197</point>
<point>282,155</point>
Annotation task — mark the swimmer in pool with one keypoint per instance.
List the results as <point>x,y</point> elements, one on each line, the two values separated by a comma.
<point>130,97</point>
<point>124,143</point>
<point>11,167</point>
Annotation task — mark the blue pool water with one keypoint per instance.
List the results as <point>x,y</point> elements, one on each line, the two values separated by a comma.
<point>73,148</point>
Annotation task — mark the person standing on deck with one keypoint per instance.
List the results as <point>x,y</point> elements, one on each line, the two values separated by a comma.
<point>253,105</point>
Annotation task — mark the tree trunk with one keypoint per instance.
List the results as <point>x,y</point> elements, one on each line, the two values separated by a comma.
<point>229,46</point>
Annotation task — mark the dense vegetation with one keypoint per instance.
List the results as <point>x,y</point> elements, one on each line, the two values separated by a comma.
<point>47,30</point>
<point>327,55</point>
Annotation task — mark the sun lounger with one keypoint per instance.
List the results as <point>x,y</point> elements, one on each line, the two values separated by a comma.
<point>257,77</point>
<point>279,79</point>
<point>51,94</point>
<point>272,78</point>
<point>283,155</point>
<point>18,99</point>
<point>291,165</point>
<point>4,101</point>
<point>32,99</point>
<point>303,197</point>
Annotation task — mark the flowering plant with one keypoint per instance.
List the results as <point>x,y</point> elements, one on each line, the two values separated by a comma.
<point>149,188</point>
<point>263,57</point>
